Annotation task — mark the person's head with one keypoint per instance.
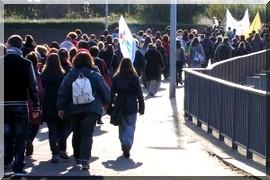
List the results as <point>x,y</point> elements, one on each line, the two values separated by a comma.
<point>242,45</point>
<point>78,32</point>
<point>72,35</point>
<point>83,59</point>
<point>93,37</point>
<point>54,44</point>
<point>42,53</point>
<point>110,48</point>
<point>229,28</point>
<point>85,37</point>
<point>72,53</point>
<point>158,43</point>
<point>126,68</point>
<point>29,40</point>
<point>148,31</point>
<point>165,38</point>
<point>102,38</point>
<point>83,44</point>
<point>94,51</point>
<point>242,38</point>
<point>32,56</point>
<point>53,64</point>
<point>106,33</point>
<point>15,41</point>
<point>109,39</point>
<point>140,33</point>
<point>190,36</point>
<point>53,50</point>
<point>151,46</point>
<point>63,55</point>
<point>101,45</point>
<point>226,40</point>
<point>178,44</point>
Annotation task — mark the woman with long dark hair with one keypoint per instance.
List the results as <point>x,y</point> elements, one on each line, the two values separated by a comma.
<point>51,79</point>
<point>127,87</point>
<point>83,117</point>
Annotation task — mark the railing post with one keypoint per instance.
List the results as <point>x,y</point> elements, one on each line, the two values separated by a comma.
<point>220,116</point>
<point>249,154</point>
<point>267,130</point>
<point>234,146</point>
<point>199,124</point>
<point>209,130</point>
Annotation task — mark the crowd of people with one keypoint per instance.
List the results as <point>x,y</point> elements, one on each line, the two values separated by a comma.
<point>39,78</point>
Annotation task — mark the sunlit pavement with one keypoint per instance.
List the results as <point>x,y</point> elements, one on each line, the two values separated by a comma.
<point>164,146</point>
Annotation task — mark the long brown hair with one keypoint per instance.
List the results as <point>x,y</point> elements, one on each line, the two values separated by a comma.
<point>83,59</point>
<point>53,65</point>
<point>126,68</point>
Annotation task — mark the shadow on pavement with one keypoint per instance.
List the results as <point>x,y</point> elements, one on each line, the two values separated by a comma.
<point>225,148</point>
<point>121,164</point>
<point>99,131</point>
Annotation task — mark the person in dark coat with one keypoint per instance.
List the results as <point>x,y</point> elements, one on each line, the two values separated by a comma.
<point>83,117</point>
<point>110,59</point>
<point>223,51</point>
<point>19,86</point>
<point>208,48</point>
<point>126,92</point>
<point>51,78</point>
<point>241,49</point>
<point>153,69</point>
<point>256,43</point>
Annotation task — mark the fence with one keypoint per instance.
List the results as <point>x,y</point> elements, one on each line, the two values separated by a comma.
<point>236,112</point>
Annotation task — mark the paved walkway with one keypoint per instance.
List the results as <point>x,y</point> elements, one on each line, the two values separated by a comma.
<point>165,145</point>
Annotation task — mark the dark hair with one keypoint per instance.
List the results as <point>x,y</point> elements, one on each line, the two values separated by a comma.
<point>32,56</point>
<point>54,44</point>
<point>94,51</point>
<point>72,53</point>
<point>29,40</point>
<point>53,50</point>
<point>15,41</point>
<point>109,39</point>
<point>195,42</point>
<point>126,68</point>
<point>63,56</point>
<point>53,64</point>
<point>83,59</point>
<point>83,44</point>
<point>72,35</point>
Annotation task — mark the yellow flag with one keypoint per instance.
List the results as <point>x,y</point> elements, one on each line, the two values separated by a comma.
<point>255,26</point>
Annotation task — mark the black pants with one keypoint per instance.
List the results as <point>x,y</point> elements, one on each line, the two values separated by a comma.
<point>32,132</point>
<point>179,67</point>
<point>83,126</point>
<point>59,130</point>
<point>15,132</point>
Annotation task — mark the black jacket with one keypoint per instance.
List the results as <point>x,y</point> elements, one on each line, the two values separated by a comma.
<point>154,65</point>
<point>128,91</point>
<point>20,83</point>
<point>51,83</point>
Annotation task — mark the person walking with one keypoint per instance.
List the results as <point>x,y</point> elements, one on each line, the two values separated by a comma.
<point>51,78</point>
<point>126,92</point>
<point>197,56</point>
<point>83,117</point>
<point>20,85</point>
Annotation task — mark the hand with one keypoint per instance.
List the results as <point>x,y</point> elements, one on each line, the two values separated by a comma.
<point>61,114</point>
<point>35,115</point>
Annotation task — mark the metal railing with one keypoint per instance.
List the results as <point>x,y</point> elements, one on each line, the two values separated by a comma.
<point>236,112</point>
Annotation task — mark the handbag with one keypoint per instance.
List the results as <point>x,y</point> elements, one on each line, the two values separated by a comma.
<point>117,115</point>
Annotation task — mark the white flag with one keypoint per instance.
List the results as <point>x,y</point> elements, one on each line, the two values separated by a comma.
<point>126,40</point>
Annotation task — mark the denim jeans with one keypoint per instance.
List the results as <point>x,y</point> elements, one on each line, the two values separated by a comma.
<point>83,126</point>
<point>15,132</point>
<point>127,130</point>
<point>59,131</point>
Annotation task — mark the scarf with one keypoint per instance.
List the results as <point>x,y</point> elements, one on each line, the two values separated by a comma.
<point>14,50</point>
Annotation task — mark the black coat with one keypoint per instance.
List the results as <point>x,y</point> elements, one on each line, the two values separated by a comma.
<point>128,90</point>
<point>154,65</point>
<point>51,83</point>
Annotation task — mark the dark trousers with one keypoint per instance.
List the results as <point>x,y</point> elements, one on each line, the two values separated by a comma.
<point>32,132</point>
<point>83,126</point>
<point>59,130</point>
<point>15,132</point>
<point>179,67</point>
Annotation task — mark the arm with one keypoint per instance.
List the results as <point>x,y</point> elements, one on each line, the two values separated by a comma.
<point>64,93</point>
<point>140,97</point>
<point>103,90</point>
<point>32,89</point>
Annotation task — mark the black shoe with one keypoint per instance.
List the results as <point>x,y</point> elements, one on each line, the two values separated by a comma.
<point>29,149</point>
<point>85,165</point>
<point>20,173</point>
<point>55,159</point>
<point>63,155</point>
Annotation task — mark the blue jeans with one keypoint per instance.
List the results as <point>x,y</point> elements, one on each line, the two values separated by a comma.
<point>83,126</point>
<point>15,133</point>
<point>127,130</point>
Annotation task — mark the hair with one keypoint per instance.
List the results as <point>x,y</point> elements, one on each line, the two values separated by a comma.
<point>78,31</point>
<point>54,44</point>
<point>94,51</point>
<point>83,59</point>
<point>83,44</point>
<point>109,39</point>
<point>165,38</point>
<point>29,40</point>
<point>53,50</point>
<point>158,43</point>
<point>15,41</point>
<point>32,56</point>
<point>126,68</point>
<point>72,53</point>
<point>72,35</point>
<point>195,42</point>
<point>63,56</point>
<point>85,37</point>
<point>110,48</point>
<point>100,45</point>
<point>53,64</point>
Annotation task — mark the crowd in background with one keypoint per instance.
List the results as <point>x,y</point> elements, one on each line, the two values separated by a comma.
<point>55,66</point>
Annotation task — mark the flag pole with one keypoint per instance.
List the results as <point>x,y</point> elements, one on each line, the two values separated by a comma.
<point>173,48</point>
<point>106,15</point>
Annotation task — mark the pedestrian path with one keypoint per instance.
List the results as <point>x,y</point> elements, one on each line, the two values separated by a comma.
<point>164,146</point>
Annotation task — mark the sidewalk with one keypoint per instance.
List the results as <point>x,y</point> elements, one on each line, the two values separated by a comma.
<point>165,145</point>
